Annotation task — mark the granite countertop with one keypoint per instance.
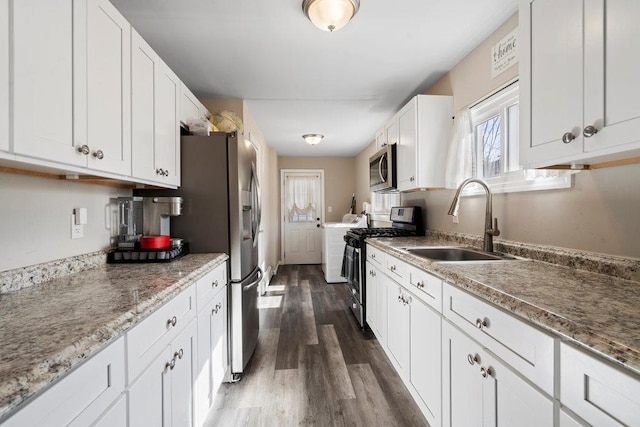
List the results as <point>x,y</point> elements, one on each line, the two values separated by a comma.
<point>80,314</point>
<point>599,312</point>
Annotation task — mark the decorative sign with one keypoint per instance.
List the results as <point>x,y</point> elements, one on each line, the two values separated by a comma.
<point>504,54</point>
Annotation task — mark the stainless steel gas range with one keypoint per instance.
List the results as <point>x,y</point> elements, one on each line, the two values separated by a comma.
<point>406,221</point>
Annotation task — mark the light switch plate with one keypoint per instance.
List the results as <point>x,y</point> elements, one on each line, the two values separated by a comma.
<point>77,231</point>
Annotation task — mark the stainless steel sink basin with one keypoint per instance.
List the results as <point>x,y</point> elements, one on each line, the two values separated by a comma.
<point>456,254</point>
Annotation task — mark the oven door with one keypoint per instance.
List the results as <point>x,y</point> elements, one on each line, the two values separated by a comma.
<point>382,169</point>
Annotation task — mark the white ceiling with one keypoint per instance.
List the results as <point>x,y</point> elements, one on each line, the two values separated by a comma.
<point>297,79</point>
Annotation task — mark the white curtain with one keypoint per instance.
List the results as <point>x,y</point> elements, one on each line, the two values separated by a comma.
<point>459,164</point>
<point>302,192</point>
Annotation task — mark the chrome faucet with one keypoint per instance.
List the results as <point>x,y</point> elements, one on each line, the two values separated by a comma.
<point>489,230</point>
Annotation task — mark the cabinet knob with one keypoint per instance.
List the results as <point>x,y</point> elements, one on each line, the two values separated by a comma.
<point>589,131</point>
<point>568,137</point>
<point>160,171</point>
<point>373,256</point>
<point>486,372</point>
<point>214,284</point>
<point>166,172</point>
<point>473,359</point>
<point>170,364</point>
<point>420,285</point>
<point>411,179</point>
<point>393,268</point>
<point>83,149</point>
<point>172,321</point>
<point>481,323</point>
<point>98,154</point>
<point>178,354</point>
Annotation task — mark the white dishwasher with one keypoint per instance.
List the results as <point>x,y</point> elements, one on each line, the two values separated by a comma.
<point>333,245</point>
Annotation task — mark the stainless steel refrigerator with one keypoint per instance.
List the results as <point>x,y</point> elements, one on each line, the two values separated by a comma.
<point>221,213</point>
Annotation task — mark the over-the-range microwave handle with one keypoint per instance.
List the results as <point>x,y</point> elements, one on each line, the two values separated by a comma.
<point>380,160</point>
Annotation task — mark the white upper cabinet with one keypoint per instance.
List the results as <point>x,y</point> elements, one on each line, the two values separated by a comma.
<point>43,81</point>
<point>388,134</point>
<point>189,105</point>
<point>4,75</point>
<point>587,110</point>
<point>424,130</point>
<point>102,84</point>
<point>155,93</point>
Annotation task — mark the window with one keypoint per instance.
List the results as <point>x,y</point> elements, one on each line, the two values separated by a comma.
<point>381,203</point>
<point>495,140</point>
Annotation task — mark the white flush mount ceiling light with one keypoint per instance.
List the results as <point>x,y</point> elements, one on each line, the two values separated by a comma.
<point>312,138</point>
<point>330,15</point>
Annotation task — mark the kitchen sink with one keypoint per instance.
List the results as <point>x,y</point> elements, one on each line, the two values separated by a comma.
<point>456,254</point>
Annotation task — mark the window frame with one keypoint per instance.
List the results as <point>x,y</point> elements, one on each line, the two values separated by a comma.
<point>512,178</point>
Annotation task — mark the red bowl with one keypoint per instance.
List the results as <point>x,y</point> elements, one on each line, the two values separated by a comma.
<point>155,242</point>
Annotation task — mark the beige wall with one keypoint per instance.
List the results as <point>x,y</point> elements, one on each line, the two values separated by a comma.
<point>35,219</point>
<point>339,181</point>
<point>362,174</point>
<point>600,213</point>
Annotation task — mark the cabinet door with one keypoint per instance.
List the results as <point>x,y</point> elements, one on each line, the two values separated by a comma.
<point>183,373</point>
<point>42,80</point>
<point>407,146</point>
<point>383,283</point>
<point>371,296</point>
<point>550,95</point>
<point>462,382</point>
<point>381,139</point>
<point>398,304</point>
<point>167,144</point>
<point>4,75</point>
<point>102,83</point>
<point>391,131</point>
<point>426,353</point>
<point>611,70</point>
<point>115,416</point>
<point>189,105</point>
<point>150,395</point>
<point>145,65</point>
<point>509,400</point>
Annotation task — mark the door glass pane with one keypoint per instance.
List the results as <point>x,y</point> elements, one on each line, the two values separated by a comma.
<point>302,193</point>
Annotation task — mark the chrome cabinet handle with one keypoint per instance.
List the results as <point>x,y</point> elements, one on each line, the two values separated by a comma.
<point>589,131</point>
<point>473,359</point>
<point>420,285</point>
<point>160,171</point>
<point>411,179</point>
<point>486,372</point>
<point>170,364</point>
<point>84,149</point>
<point>392,268</point>
<point>373,256</point>
<point>214,284</point>
<point>98,154</point>
<point>216,308</point>
<point>172,321</point>
<point>481,323</point>
<point>166,172</point>
<point>178,354</point>
<point>568,137</point>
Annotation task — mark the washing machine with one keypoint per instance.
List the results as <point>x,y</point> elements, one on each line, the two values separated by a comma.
<point>333,245</point>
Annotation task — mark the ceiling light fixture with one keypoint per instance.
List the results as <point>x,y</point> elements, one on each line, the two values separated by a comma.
<point>330,15</point>
<point>312,138</point>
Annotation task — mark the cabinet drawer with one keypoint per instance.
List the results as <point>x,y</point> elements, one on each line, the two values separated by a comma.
<point>426,287</point>
<point>376,256</point>
<point>524,347</point>
<point>209,285</point>
<point>145,341</point>
<point>397,269</point>
<point>596,391</point>
<point>80,397</point>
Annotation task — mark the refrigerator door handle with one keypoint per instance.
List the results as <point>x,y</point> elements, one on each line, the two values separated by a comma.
<point>254,283</point>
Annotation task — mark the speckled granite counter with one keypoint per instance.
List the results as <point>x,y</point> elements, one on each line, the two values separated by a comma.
<point>594,310</point>
<point>49,328</point>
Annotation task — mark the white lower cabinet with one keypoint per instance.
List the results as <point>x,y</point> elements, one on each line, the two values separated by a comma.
<point>425,359</point>
<point>596,391</point>
<point>163,394</point>
<point>481,390</point>
<point>4,76</point>
<point>371,296</point>
<point>212,352</point>
<point>83,396</point>
<point>399,315</point>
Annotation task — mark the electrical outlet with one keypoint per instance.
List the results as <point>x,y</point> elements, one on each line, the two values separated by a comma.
<point>456,220</point>
<point>77,230</point>
<point>330,209</point>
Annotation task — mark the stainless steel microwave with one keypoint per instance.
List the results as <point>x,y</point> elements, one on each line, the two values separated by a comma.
<point>382,169</point>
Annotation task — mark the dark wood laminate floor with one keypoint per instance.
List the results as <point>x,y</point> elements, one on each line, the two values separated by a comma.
<point>313,364</point>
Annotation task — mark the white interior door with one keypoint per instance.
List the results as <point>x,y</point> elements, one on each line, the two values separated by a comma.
<point>303,197</point>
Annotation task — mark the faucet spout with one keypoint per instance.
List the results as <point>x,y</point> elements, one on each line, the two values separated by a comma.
<point>490,228</point>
